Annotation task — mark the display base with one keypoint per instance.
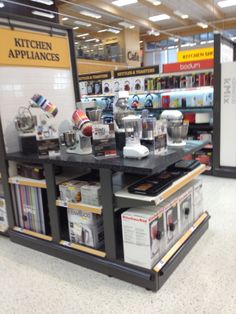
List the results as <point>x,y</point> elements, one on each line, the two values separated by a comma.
<point>149,279</point>
<point>182,144</point>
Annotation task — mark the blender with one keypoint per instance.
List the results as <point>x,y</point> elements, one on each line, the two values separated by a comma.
<point>177,129</point>
<point>133,133</point>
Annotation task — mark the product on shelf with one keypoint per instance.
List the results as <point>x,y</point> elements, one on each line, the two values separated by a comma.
<point>143,236</point>
<point>202,117</point>
<point>30,171</point>
<point>185,207</point>
<point>3,216</point>
<point>197,198</point>
<point>104,143</point>
<point>91,194</point>
<point>70,191</point>
<point>30,208</point>
<point>85,228</point>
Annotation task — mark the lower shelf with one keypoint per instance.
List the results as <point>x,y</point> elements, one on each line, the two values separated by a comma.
<point>4,234</point>
<point>149,279</point>
<point>33,234</point>
<point>83,248</point>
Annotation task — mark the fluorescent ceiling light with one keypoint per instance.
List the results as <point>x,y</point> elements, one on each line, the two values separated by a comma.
<point>47,2</point>
<point>43,14</point>
<point>152,32</point>
<point>91,39</point>
<point>226,3</point>
<point>192,44</point>
<point>82,23</point>
<point>141,41</point>
<point>174,39</point>
<point>126,25</point>
<point>90,14</point>
<point>82,35</point>
<point>203,42</point>
<point>160,17</point>
<point>155,2</point>
<point>65,19</point>
<point>233,38</point>
<point>172,47</point>
<point>2,5</point>
<point>76,42</point>
<point>76,27</point>
<point>185,45</point>
<point>112,30</point>
<point>210,41</point>
<point>121,3</point>
<point>102,30</point>
<point>182,15</point>
<point>202,25</point>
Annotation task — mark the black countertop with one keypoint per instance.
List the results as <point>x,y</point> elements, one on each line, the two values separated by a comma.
<point>146,166</point>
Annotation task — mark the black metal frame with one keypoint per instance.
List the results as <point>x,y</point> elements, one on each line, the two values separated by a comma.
<point>218,170</point>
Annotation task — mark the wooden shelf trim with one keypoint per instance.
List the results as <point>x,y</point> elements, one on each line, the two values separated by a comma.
<point>80,206</point>
<point>179,243</point>
<point>33,234</point>
<point>82,248</point>
<point>28,182</point>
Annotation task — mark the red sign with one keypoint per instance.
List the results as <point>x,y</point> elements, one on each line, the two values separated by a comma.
<point>188,66</point>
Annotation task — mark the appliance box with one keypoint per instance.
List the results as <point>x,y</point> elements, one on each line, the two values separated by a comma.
<point>28,144</point>
<point>201,117</point>
<point>197,198</point>
<point>143,236</point>
<point>3,216</point>
<point>48,147</point>
<point>185,208</point>
<point>85,228</point>
<point>70,191</point>
<point>103,141</point>
<point>31,171</point>
<point>91,194</point>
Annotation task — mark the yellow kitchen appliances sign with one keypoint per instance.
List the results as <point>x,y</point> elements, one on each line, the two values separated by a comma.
<point>21,48</point>
<point>196,54</point>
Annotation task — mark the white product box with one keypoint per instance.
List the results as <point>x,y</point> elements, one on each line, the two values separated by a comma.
<point>202,117</point>
<point>91,194</point>
<point>85,228</point>
<point>3,216</point>
<point>143,236</point>
<point>171,221</point>
<point>117,85</point>
<point>71,191</point>
<point>185,208</point>
<point>137,84</point>
<point>197,198</point>
<point>83,88</point>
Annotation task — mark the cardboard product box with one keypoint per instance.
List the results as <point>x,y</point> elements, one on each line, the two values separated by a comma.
<point>197,198</point>
<point>1,189</point>
<point>83,88</point>
<point>171,221</point>
<point>104,142</point>
<point>91,194</point>
<point>85,228</point>
<point>143,236</point>
<point>137,84</point>
<point>70,191</point>
<point>185,208</point>
<point>3,216</point>
<point>49,147</point>
<point>107,86</point>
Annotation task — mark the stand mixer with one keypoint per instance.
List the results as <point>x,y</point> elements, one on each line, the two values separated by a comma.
<point>177,129</point>
<point>79,140</point>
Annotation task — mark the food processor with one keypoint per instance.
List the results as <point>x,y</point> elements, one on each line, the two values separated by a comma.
<point>177,129</point>
<point>133,133</point>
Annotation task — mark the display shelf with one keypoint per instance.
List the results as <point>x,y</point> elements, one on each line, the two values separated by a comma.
<point>33,234</point>
<point>83,248</point>
<point>80,206</point>
<point>179,243</point>
<point>126,199</point>
<point>201,127</point>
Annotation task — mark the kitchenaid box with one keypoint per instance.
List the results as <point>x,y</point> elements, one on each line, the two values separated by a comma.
<point>143,236</point>
<point>85,228</point>
<point>104,143</point>
<point>185,208</point>
<point>197,198</point>
<point>3,216</point>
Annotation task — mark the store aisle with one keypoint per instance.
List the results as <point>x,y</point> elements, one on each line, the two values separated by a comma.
<point>205,282</point>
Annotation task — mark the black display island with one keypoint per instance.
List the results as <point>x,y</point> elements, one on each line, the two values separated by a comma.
<point>114,175</point>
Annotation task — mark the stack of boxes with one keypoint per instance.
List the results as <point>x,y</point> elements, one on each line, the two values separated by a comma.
<point>3,214</point>
<point>84,227</point>
<point>148,233</point>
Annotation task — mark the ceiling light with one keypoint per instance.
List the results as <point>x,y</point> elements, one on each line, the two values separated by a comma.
<point>82,23</point>
<point>210,41</point>
<point>91,39</point>
<point>102,30</point>
<point>202,25</point>
<point>141,41</point>
<point>160,17</point>
<point>76,42</point>
<point>47,2</point>
<point>65,19</point>
<point>203,42</point>
<point>2,5</point>
<point>233,38</point>
<point>174,39</point>
<point>76,27</point>
<point>82,35</point>
<point>155,2</point>
<point>121,3</point>
<point>43,14</point>
<point>90,14</point>
<point>112,30</point>
<point>126,25</point>
<point>172,47</point>
<point>152,32</point>
<point>100,48</point>
<point>185,45</point>
<point>182,15</point>
<point>192,44</point>
<point>226,3</point>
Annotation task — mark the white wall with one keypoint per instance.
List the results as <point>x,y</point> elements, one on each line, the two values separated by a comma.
<point>19,84</point>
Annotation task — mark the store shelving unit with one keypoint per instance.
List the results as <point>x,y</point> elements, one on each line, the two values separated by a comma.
<point>114,174</point>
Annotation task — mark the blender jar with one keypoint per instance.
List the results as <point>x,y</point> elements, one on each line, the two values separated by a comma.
<point>133,130</point>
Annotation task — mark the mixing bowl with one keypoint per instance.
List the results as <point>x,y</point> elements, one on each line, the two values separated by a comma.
<point>177,133</point>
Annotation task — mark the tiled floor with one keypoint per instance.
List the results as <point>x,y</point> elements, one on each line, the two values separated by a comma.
<point>205,282</point>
